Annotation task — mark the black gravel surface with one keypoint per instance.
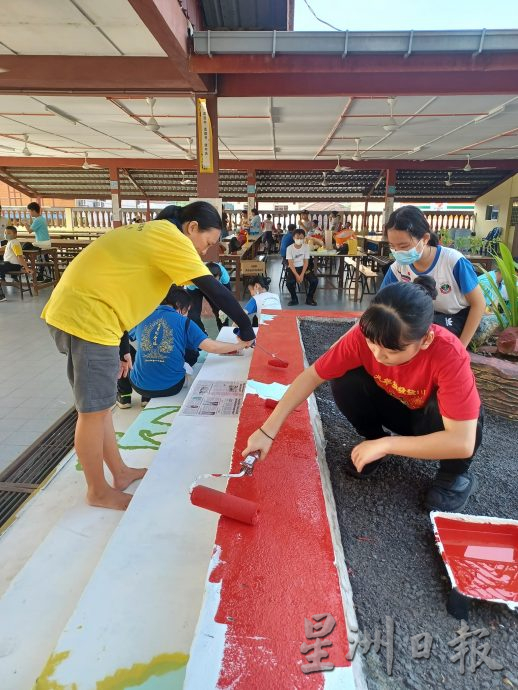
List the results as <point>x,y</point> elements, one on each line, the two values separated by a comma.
<point>394,565</point>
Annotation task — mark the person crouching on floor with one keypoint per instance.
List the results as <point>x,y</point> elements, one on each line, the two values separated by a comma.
<point>398,371</point>
<point>166,341</point>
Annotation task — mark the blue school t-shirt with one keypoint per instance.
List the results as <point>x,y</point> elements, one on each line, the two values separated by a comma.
<point>161,341</point>
<point>453,274</point>
<point>40,229</point>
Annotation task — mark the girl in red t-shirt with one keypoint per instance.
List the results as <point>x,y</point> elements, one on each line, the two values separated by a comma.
<point>397,370</point>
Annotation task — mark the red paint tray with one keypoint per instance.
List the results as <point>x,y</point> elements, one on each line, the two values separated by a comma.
<point>480,554</point>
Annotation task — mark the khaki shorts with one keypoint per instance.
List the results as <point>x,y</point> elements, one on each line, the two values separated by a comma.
<point>92,370</point>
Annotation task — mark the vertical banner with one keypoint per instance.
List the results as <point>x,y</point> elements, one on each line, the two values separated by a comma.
<point>206,160</point>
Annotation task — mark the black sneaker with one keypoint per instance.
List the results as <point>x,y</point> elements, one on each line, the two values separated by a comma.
<point>144,401</point>
<point>293,302</point>
<point>3,298</point>
<point>450,492</point>
<point>123,400</point>
<point>367,472</point>
<point>311,302</point>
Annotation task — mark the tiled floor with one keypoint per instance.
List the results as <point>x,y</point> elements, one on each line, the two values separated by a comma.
<point>34,387</point>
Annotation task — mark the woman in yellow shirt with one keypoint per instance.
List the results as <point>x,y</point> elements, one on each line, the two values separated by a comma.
<point>110,287</point>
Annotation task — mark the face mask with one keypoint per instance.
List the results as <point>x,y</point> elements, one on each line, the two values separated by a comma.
<point>298,243</point>
<point>409,256</point>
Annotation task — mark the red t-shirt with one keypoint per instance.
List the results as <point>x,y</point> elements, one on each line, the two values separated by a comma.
<point>444,367</point>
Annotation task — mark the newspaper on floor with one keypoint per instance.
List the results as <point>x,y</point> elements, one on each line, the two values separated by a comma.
<point>215,399</point>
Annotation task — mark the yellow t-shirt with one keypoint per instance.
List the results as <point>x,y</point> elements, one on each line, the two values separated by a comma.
<point>119,279</point>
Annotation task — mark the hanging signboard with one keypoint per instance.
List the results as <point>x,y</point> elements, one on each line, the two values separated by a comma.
<point>205,157</point>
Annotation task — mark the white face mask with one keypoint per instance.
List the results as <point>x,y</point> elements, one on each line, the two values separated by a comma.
<point>298,242</point>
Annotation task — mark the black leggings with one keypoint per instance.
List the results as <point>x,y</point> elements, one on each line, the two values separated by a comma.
<point>7,267</point>
<point>453,322</point>
<point>369,408</point>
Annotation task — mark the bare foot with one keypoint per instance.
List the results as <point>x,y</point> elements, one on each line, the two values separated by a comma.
<point>127,476</point>
<point>109,498</point>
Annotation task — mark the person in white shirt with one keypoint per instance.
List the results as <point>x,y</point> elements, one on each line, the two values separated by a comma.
<point>297,256</point>
<point>268,240</point>
<point>305,222</point>
<point>14,260</point>
<point>261,298</point>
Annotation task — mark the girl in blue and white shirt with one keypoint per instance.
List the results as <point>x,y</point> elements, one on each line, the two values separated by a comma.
<point>460,302</point>
<point>261,297</point>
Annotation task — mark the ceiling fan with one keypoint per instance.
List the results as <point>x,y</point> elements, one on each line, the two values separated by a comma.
<point>185,180</point>
<point>26,151</point>
<point>469,168</point>
<point>152,124</point>
<point>357,156</point>
<point>340,168</point>
<point>449,183</point>
<point>87,165</point>
<point>392,125</point>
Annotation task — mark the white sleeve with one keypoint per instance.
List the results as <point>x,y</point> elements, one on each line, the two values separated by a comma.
<point>307,254</point>
<point>289,252</point>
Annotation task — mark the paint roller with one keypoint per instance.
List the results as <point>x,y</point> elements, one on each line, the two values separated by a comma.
<point>274,361</point>
<point>230,506</point>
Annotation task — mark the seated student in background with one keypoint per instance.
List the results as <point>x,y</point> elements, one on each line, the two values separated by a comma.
<point>489,290</point>
<point>398,372</point>
<point>297,256</point>
<point>220,273</point>
<point>287,239</point>
<point>165,341</point>
<point>14,260</point>
<point>261,298</point>
<point>460,302</point>
<point>39,227</point>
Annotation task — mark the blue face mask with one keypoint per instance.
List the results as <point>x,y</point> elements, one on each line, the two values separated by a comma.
<point>409,256</point>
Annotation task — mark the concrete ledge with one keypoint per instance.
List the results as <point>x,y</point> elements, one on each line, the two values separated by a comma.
<point>263,581</point>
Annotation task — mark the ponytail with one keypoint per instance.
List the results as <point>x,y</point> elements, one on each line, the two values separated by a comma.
<point>400,314</point>
<point>202,212</point>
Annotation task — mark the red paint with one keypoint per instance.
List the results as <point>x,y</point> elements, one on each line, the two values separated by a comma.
<point>240,509</point>
<point>483,557</point>
<point>279,363</point>
<point>282,571</point>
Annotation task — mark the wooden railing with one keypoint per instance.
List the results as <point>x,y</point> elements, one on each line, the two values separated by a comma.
<point>372,222</point>
<point>101,218</point>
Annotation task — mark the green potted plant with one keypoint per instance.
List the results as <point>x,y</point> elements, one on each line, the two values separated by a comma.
<point>497,375</point>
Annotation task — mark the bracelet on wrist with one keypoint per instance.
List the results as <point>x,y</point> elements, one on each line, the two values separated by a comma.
<point>267,435</point>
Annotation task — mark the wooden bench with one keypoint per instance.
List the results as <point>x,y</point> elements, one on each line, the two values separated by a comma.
<point>367,280</point>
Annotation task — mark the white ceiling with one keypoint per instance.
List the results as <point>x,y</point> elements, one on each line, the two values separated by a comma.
<point>74,27</point>
<point>445,126</point>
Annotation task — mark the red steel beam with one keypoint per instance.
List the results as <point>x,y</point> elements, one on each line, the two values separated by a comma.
<point>166,20</point>
<point>364,85</point>
<point>77,75</point>
<point>258,164</point>
<point>17,184</point>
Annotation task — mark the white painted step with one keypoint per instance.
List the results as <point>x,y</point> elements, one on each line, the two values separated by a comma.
<point>136,618</point>
<point>47,557</point>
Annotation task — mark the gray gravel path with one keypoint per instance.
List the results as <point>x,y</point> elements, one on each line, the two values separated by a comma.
<point>394,566</point>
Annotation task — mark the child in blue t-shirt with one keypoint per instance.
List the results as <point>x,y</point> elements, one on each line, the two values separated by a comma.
<point>165,341</point>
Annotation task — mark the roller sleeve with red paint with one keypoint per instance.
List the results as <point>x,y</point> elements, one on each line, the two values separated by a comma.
<point>240,509</point>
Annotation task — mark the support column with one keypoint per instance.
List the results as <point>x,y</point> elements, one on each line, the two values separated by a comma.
<point>148,210</point>
<point>251,191</point>
<point>390,192</point>
<point>116,199</point>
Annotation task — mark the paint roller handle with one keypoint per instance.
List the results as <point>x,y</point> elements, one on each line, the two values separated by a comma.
<point>248,463</point>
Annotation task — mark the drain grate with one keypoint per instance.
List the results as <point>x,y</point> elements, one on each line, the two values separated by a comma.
<point>31,468</point>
